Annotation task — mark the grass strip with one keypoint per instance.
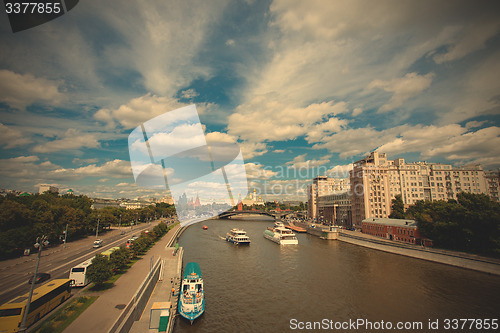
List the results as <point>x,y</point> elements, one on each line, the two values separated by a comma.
<point>62,318</point>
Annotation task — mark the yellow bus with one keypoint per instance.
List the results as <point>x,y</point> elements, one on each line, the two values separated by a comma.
<point>45,298</point>
<point>107,253</point>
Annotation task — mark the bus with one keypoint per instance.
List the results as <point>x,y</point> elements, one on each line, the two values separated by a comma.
<point>44,299</point>
<point>108,252</point>
<point>78,274</point>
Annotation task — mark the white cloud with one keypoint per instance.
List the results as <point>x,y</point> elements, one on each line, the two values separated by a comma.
<point>138,110</point>
<point>469,39</point>
<point>80,161</point>
<point>451,142</point>
<point>402,88</point>
<point>22,90</point>
<point>340,171</point>
<point>71,140</point>
<point>300,162</point>
<point>265,118</point>
<point>474,124</point>
<point>189,93</point>
<point>482,145</point>
<point>10,137</point>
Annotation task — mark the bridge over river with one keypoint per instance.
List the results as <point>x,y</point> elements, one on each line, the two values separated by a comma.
<point>274,214</point>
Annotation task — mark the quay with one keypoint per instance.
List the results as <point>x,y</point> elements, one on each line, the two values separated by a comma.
<point>295,228</point>
<point>119,308</point>
<point>454,258</point>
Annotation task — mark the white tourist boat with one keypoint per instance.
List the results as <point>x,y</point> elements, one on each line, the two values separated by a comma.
<point>238,237</point>
<point>281,235</point>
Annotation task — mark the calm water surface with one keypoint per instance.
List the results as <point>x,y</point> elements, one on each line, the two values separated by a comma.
<point>261,287</point>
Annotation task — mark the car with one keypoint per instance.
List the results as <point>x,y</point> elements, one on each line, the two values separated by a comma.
<point>40,277</point>
<point>98,243</point>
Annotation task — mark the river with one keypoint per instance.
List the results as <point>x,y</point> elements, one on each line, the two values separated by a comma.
<point>265,287</point>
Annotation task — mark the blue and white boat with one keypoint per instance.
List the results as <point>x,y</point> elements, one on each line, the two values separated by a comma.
<point>238,236</point>
<point>192,296</point>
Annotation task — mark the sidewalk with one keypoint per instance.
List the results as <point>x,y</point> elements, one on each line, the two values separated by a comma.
<point>101,315</point>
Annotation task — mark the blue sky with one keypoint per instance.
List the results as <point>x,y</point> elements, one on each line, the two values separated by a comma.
<point>313,85</point>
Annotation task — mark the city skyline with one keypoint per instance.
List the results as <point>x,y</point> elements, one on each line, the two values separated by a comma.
<point>310,86</point>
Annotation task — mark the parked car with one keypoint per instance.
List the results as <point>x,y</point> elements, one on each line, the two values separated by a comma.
<point>40,277</point>
<point>98,243</point>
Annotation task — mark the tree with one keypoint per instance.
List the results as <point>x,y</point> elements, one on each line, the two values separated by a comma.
<point>119,258</point>
<point>397,208</point>
<point>101,270</point>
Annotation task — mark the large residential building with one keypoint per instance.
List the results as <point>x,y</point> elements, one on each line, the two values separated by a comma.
<point>493,184</point>
<point>323,185</point>
<point>375,181</point>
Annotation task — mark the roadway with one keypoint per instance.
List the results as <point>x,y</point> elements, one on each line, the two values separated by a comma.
<point>57,260</point>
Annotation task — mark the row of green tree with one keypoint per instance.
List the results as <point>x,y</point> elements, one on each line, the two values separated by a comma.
<point>23,218</point>
<point>471,223</point>
<point>102,268</point>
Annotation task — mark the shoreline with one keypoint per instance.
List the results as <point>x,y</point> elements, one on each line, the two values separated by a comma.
<point>447,257</point>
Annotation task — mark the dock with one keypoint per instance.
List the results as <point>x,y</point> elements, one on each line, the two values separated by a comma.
<point>162,297</point>
<point>295,228</point>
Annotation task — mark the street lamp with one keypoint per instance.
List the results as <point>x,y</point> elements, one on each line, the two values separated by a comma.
<point>120,221</point>
<point>97,230</point>
<point>40,243</point>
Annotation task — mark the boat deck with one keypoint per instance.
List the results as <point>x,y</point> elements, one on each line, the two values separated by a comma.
<point>295,228</point>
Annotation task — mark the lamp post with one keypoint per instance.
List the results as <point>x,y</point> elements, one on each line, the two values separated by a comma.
<point>97,230</point>
<point>120,221</point>
<point>40,243</point>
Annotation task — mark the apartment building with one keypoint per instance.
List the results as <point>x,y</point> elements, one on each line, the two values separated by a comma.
<point>493,184</point>
<point>375,181</point>
<point>323,185</point>
<point>335,208</point>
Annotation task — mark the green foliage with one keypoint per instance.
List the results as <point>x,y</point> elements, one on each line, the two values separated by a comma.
<point>120,258</point>
<point>471,223</point>
<point>397,208</point>
<point>100,270</point>
<point>23,218</point>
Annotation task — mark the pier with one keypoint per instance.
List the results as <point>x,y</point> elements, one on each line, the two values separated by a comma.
<point>162,297</point>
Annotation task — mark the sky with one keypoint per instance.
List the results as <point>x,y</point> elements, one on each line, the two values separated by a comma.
<point>304,87</point>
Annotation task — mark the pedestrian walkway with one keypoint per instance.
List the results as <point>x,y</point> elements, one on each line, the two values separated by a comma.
<point>103,313</point>
<point>170,278</point>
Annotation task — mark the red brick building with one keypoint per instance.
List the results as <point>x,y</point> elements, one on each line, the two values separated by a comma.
<point>392,229</point>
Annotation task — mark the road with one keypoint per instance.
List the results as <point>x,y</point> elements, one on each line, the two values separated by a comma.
<point>57,261</point>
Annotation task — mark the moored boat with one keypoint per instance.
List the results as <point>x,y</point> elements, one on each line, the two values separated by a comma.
<point>192,296</point>
<point>238,237</point>
<point>281,235</point>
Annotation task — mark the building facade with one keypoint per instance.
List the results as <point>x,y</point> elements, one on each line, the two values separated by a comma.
<point>335,209</point>
<point>320,186</point>
<point>493,184</point>
<point>45,187</point>
<point>375,181</point>
<point>392,229</point>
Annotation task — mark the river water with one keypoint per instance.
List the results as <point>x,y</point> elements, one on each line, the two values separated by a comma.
<point>266,287</point>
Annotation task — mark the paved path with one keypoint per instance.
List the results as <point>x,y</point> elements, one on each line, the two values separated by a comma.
<point>101,315</point>
<point>169,278</point>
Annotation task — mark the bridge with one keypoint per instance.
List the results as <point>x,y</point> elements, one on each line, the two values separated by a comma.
<point>273,214</point>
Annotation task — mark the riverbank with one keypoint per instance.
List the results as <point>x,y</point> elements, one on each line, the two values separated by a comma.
<point>454,258</point>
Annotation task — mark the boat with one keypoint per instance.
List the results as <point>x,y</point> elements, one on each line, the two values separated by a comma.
<point>205,227</point>
<point>192,297</point>
<point>281,235</point>
<point>238,237</point>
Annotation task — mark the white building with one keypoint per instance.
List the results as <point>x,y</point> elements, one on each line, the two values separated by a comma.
<point>45,187</point>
